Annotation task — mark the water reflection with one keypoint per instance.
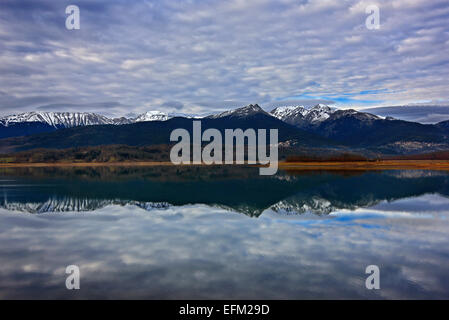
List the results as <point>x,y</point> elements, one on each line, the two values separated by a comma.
<point>40,190</point>
<point>314,236</point>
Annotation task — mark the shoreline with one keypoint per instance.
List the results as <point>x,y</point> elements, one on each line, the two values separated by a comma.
<point>355,165</point>
<point>368,165</point>
<point>87,164</point>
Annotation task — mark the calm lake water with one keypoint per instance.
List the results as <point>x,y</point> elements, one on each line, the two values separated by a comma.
<point>212,233</point>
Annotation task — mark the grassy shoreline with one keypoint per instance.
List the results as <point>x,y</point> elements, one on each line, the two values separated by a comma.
<point>349,165</point>
<point>369,165</point>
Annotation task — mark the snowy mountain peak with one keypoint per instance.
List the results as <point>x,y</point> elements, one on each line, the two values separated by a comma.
<point>356,114</point>
<point>323,108</point>
<point>121,120</point>
<point>152,116</point>
<point>288,111</point>
<point>57,119</point>
<point>75,119</point>
<point>251,108</point>
<point>319,113</point>
<point>302,116</point>
<point>240,112</point>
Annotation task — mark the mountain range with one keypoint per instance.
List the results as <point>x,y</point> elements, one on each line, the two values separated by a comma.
<point>297,115</point>
<point>319,126</point>
<point>76,119</point>
<point>28,123</point>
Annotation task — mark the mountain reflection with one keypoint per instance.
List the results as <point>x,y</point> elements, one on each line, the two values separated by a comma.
<point>239,189</point>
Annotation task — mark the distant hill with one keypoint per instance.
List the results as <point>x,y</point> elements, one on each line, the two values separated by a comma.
<point>444,125</point>
<point>362,130</point>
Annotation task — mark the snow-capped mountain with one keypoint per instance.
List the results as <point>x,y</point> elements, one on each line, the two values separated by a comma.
<point>57,119</point>
<point>320,125</point>
<point>289,112</point>
<point>303,117</point>
<point>75,119</point>
<point>160,116</point>
<point>240,112</point>
<point>122,120</point>
<point>29,123</point>
<point>362,116</point>
<point>296,115</point>
<point>319,113</point>
<point>152,116</point>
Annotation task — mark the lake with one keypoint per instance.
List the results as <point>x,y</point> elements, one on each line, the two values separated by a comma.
<point>223,233</point>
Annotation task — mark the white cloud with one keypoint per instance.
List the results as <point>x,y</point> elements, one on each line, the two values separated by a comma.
<point>133,64</point>
<point>254,51</point>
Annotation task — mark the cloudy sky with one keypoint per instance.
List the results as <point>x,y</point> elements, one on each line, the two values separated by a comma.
<point>207,55</point>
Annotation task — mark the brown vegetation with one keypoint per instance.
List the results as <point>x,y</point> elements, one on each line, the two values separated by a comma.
<point>368,165</point>
<point>437,155</point>
<point>158,155</point>
<point>343,157</point>
<point>100,154</point>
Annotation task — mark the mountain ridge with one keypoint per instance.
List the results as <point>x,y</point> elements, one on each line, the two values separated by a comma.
<point>153,132</point>
<point>319,126</point>
<point>57,119</point>
<point>301,116</point>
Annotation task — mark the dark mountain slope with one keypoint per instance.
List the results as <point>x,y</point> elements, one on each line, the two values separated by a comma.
<point>444,125</point>
<point>24,129</point>
<point>154,132</point>
<point>358,130</point>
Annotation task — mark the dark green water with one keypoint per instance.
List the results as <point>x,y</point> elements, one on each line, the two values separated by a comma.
<point>168,233</point>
